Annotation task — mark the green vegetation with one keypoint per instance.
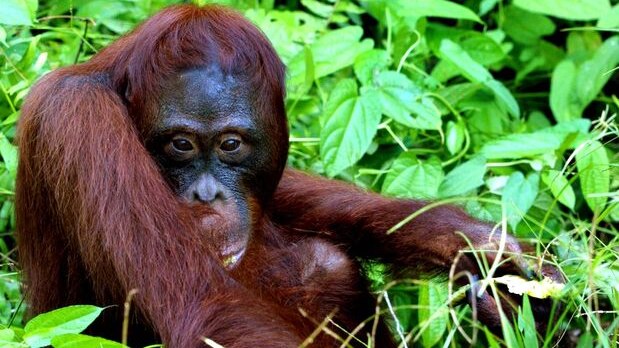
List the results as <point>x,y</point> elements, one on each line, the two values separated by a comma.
<point>505,107</point>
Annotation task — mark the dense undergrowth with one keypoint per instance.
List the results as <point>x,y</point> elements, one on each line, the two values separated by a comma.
<point>505,107</point>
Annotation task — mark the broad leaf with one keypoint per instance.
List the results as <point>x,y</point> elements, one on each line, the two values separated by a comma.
<point>333,51</point>
<point>521,145</point>
<point>519,195</point>
<point>410,177</point>
<point>399,97</point>
<point>370,63</point>
<point>526,27</point>
<point>432,306</point>
<point>432,8</point>
<point>83,341</point>
<point>454,136</point>
<point>73,319</point>
<point>475,72</point>
<point>534,144</point>
<point>464,178</point>
<point>560,187</point>
<point>594,73</point>
<point>567,9</point>
<point>18,12</point>
<point>350,124</point>
<point>594,174</point>
<point>564,103</point>
<point>8,152</point>
<point>610,19</point>
<point>574,87</point>
<point>397,93</point>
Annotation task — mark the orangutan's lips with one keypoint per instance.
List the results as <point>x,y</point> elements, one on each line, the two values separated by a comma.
<point>230,259</point>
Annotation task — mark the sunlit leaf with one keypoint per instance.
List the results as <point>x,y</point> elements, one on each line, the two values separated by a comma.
<point>454,136</point>
<point>18,12</point>
<point>464,178</point>
<point>594,174</point>
<point>83,341</point>
<point>73,319</point>
<point>526,324</point>
<point>526,27</point>
<point>350,124</point>
<point>564,103</point>
<point>594,73</point>
<point>537,143</point>
<point>477,73</point>
<point>433,8</point>
<point>568,9</point>
<point>560,187</point>
<point>519,195</point>
<point>432,306</point>
<point>411,177</point>
<point>8,152</point>
<point>333,51</point>
<point>610,19</point>
<point>370,63</point>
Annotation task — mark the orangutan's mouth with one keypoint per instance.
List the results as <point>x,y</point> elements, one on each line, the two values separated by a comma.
<point>230,257</point>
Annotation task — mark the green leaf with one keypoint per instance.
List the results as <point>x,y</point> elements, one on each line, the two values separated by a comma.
<point>399,97</point>
<point>526,27</point>
<point>564,104</point>
<point>409,177</point>
<point>432,8</point>
<point>6,335</point>
<point>594,73</point>
<point>482,48</point>
<point>464,178</point>
<point>8,152</point>
<point>533,144</point>
<point>521,145</point>
<point>594,174</point>
<point>396,93</point>
<point>454,136</point>
<point>350,124</point>
<point>9,339</point>
<point>574,88</point>
<point>370,63</point>
<point>560,187</point>
<point>335,50</point>
<point>83,341</point>
<point>581,45</point>
<point>609,19</point>
<point>475,72</point>
<point>318,8</point>
<point>73,319</point>
<point>18,12</point>
<point>519,195</point>
<point>526,324</point>
<point>509,335</point>
<point>567,9</point>
<point>492,341</point>
<point>432,300</point>
<point>586,340</point>
<point>309,72</point>
<point>454,94</point>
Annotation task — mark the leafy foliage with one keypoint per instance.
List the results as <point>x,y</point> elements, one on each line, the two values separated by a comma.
<point>506,106</point>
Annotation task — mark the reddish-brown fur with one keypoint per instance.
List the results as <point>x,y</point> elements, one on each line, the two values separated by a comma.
<point>96,218</point>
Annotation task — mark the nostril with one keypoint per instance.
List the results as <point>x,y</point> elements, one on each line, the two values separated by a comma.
<point>219,196</point>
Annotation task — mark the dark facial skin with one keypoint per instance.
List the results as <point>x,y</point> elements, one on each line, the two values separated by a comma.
<point>211,149</point>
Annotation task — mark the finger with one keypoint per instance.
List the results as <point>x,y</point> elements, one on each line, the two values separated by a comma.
<point>485,310</point>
